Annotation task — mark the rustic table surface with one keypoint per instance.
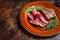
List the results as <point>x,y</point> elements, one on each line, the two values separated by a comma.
<point>10,27</point>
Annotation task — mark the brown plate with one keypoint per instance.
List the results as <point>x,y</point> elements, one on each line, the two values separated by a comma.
<point>33,29</point>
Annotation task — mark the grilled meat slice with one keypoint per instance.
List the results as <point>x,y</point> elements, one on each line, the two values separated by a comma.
<point>48,13</point>
<point>30,16</point>
<point>34,12</point>
<point>37,22</point>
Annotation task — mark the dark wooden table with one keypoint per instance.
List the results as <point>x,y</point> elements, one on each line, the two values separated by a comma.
<point>10,27</point>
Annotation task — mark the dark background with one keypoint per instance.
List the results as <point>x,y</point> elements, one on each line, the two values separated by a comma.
<point>10,27</point>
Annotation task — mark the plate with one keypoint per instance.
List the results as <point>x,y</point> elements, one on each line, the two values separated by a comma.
<point>32,29</point>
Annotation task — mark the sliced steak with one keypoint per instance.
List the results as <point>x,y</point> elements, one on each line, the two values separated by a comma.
<point>41,17</point>
<point>36,22</point>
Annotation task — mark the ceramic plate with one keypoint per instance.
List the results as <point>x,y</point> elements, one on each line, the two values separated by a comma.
<point>32,29</point>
